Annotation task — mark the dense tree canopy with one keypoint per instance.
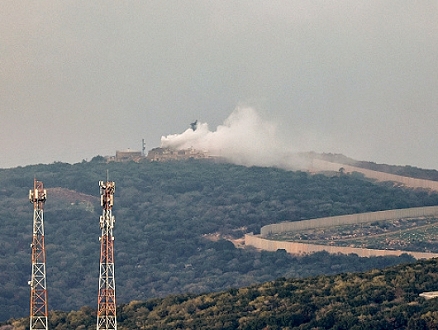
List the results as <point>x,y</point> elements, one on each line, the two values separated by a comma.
<point>377,299</point>
<point>164,212</point>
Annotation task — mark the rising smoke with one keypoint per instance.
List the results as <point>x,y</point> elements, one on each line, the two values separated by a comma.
<point>243,139</point>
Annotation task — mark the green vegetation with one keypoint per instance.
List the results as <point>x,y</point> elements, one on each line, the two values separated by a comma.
<point>163,211</point>
<point>402,234</point>
<point>378,299</point>
<point>409,171</point>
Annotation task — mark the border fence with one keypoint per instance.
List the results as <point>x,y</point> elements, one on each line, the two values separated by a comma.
<point>261,242</point>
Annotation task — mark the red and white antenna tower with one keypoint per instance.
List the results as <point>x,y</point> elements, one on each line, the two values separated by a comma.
<point>38,290</point>
<point>106,300</point>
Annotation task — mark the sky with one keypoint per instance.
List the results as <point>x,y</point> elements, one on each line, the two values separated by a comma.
<point>86,78</point>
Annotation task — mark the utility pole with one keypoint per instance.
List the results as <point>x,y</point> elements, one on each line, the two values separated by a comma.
<point>38,290</point>
<point>106,300</point>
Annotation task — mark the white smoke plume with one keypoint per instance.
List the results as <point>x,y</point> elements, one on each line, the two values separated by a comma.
<point>243,139</point>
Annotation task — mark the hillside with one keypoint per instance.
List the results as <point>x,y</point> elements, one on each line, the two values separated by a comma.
<point>165,213</point>
<point>409,171</point>
<point>378,299</point>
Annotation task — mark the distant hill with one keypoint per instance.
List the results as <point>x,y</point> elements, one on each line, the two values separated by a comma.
<point>166,214</point>
<point>409,171</point>
<point>377,299</point>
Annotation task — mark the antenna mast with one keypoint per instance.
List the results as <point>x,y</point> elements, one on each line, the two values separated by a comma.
<point>38,290</point>
<point>106,299</point>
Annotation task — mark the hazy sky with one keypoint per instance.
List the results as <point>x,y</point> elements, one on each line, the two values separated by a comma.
<point>86,78</point>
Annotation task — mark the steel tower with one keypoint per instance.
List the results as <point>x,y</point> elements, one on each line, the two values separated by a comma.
<point>38,290</point>
<point>106,300</point>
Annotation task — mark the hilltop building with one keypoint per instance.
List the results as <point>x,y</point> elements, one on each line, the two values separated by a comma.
<point>165,154</point>
<point>158,155</point>
<point>128,155</point>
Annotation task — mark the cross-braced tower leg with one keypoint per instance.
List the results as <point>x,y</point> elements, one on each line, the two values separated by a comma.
<point>106,300</point>
<point>38,290</point>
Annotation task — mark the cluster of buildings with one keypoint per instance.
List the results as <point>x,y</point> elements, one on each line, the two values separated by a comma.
<point>158,155</point>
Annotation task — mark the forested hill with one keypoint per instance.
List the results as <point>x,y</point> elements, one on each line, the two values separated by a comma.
<point>378,299</point>
<point>170,218</point>
<point>407,170</point>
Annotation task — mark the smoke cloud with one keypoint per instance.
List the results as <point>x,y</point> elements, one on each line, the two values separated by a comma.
<point>243,139</point>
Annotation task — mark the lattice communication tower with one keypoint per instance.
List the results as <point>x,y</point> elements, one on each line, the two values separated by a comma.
<point>106,300</point>
<point>38,290</point>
